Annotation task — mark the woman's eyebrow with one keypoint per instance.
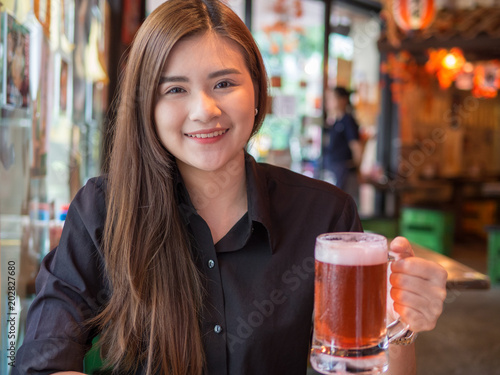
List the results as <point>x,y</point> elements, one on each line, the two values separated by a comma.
<point>164,79</point>
<point>216,74</point>
<point>223,72</point>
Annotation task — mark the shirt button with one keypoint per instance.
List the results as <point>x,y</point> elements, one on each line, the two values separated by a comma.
<point>211,264</point>
<point>217,328</point>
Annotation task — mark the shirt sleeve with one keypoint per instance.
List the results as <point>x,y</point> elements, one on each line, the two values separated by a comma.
<point>70,288</point>
<point>351,128</point>
<point>349,220</point>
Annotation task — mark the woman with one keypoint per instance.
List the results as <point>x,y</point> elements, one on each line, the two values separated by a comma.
<point>189,257</point>
<point>342,155</point>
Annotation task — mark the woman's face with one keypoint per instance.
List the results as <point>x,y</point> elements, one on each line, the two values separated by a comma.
<point>205,109</point>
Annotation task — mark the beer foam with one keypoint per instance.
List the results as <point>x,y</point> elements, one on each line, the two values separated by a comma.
<point>362,252</point>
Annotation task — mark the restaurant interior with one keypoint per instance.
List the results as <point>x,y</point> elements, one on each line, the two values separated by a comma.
<point>425,81</point>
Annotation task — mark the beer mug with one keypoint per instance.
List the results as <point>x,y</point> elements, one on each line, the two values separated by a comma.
<point>351,330</point>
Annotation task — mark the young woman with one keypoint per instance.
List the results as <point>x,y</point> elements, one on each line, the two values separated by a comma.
<point>190,257</point>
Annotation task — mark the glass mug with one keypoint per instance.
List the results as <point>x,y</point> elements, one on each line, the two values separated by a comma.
<point>351,334</point>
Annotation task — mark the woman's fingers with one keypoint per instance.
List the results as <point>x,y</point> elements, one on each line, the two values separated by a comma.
<point>418,291</point>
<point>400,247</point>
<point>421,268</point>
<point>420,312</point>
<point>416,319</point>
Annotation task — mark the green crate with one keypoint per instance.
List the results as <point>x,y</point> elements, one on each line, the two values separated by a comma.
<point>385,226</point>
<point>494,253</point>
<point>431,228</point>
<point>92,361</point>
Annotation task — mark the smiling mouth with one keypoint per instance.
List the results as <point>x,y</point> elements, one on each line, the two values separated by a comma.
<point>208,135</point>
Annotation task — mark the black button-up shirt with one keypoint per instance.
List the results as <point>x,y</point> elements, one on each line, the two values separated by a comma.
<point>259,278</point>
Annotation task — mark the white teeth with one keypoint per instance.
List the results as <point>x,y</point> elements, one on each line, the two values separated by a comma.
<point>207,135</point>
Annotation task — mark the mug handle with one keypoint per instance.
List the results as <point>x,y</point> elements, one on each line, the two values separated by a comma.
<point>397,328</point>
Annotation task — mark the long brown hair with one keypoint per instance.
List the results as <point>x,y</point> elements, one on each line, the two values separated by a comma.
<point>154,310</point>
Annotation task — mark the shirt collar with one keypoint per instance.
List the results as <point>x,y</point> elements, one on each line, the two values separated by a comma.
<point>259,208</point>
<point>259,205</point>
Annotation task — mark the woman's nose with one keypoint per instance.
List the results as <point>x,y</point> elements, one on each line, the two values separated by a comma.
<point>204,108</point>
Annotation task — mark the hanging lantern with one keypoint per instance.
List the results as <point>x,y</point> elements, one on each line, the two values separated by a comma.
<point>486,80</point>
<point>413,14</point>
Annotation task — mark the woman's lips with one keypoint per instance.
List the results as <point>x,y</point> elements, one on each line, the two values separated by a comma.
<point>207,136</point>
<point>204,134</point>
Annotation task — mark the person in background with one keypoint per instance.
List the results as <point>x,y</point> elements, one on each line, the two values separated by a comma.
<point>343,149</point>
<point>189,257</point>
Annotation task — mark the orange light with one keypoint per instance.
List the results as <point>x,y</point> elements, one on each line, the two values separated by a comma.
<point>449,62</point>
<point>445,64</point>
<point>454,60</point>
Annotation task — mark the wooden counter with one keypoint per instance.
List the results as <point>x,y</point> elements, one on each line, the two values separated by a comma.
<point>460,276</point>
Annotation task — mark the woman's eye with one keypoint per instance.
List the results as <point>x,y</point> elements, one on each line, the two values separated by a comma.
<point>175,90</point>
<point>223,85</point>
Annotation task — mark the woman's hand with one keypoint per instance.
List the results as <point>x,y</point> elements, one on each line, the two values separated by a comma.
<point>418,287</point>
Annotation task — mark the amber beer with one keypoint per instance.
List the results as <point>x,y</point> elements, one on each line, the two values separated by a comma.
<point>351,332</point>
<point>350,298</point>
